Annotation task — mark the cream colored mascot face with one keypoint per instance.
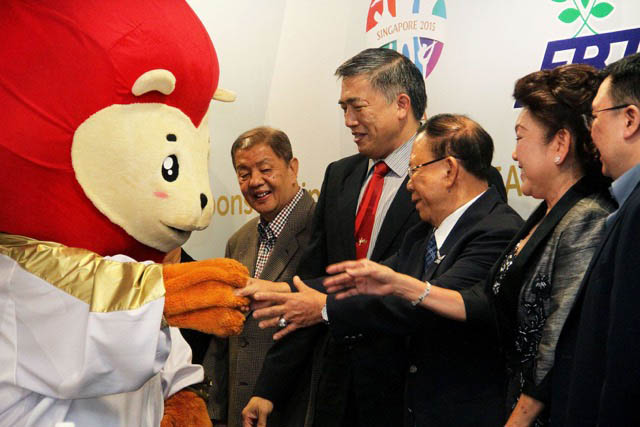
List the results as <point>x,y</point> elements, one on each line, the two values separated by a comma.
<point>145,166</point>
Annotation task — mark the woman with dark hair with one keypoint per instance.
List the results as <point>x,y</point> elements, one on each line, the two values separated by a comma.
<point>532,287</point>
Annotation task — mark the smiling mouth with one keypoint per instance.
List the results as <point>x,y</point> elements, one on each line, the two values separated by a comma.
<point>180,232</point>
<point>357,137</point>
<point>261,195</point>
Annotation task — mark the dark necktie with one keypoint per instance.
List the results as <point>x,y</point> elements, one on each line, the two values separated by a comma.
<point>367,212</point>
<point>430,254</point>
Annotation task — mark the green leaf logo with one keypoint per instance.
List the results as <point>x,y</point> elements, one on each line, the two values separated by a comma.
<point>602,10</point>
<point>569,15</point>
<point>599,9</point>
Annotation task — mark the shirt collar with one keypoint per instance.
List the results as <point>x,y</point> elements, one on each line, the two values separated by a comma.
<point>398,160</point>
<point>442,232</point>
<point>622,187</point>
<point>276,226</point>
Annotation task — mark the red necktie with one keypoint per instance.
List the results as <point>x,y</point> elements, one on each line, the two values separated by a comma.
<point>367,211</point>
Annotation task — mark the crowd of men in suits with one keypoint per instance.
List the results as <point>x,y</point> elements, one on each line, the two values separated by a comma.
<point>347,362</point>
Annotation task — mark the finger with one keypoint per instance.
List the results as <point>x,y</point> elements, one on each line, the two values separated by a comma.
<point>341,266</point>
<point>339,279</point>
<point>247,420</point>
<point>273,311</point>
<point>269,323</point>
<point>347,294</point>
<point>247,291</point>
<point>299,284</point>
<point>257,305</point>
<point>285,331</point>
<point>262,418</point>
<point>276,297</point>
<point>336,288</point>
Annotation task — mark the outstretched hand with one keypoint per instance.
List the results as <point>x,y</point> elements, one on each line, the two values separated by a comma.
<point>361,277</point>
<point>254,286</point>
<point>299,309</point>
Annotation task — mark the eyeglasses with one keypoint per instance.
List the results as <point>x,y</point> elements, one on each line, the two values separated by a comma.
<point>589,117</point>
<point>412,170</point>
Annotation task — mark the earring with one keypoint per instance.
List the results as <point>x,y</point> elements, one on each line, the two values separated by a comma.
<point>557,160</point>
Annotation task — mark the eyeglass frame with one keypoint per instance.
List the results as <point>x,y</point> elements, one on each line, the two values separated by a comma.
<point>411,170</point>
<point>588,118</point>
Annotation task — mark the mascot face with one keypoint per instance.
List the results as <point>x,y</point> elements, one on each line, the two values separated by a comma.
<point>146,158</point>
<point>105,135</point>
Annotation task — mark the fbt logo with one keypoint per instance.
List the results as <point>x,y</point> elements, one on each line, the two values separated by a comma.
<point>415,28</point>
<point>596,49</point>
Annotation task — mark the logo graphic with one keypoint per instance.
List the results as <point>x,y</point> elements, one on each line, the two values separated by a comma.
<point>415,28</point>
<point>595,49</point>
<point>589,8</point>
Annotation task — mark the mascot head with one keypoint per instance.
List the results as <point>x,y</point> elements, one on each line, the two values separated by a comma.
<point>105,138</point>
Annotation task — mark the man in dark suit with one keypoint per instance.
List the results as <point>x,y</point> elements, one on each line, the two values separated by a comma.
<point>597,373</point>
<point>383,98</point>
<point>454,373</point>
<point>270,247</point>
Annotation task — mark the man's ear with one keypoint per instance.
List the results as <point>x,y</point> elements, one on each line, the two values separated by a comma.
<point>453,169</point>
<point>632,121</point>
<point>293,164</point>
<point>404,105</point>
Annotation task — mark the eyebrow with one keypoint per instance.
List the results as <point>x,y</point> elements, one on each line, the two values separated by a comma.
<point>350,100</point>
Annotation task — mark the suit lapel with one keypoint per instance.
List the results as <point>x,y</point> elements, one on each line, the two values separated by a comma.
<point>249,251</point>
<point>287,242</point>
<point>398,213</point>
<point>351,191</point>
<point>547,225</point>
<point>477,210</point>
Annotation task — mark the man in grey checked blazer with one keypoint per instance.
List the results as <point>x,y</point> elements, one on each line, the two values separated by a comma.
<point>270,247</point>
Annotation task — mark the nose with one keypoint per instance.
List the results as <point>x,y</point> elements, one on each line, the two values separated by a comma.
<point>203,200</point>
<point>514,156</point>
<point>410,185</point>
<point>350,119</point>
<point>256,179</point>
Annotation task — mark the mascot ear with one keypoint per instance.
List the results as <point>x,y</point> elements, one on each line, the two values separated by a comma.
<point>224,95</point>
<point>162,81</point>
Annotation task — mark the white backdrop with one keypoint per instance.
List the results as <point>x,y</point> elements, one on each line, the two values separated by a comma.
<point>279,56</point>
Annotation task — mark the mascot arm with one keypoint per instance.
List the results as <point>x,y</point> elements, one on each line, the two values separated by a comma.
<point>182,407</point>
<point>77,325</point>
<point>199,295</point>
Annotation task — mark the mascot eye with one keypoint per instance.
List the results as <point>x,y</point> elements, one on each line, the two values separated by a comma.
<point>170,168</point>
<point>172,138</point>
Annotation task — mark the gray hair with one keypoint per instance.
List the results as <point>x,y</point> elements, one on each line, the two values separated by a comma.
<point>391,73</point>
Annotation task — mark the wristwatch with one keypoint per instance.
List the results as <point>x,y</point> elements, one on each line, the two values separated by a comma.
<point>324,314</point>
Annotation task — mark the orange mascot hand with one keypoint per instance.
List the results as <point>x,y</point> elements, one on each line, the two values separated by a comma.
<point>199,295</point>
<point>185,408</point>
<point>220,321</point>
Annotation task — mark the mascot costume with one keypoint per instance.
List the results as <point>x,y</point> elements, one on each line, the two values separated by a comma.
<point>103,163</point>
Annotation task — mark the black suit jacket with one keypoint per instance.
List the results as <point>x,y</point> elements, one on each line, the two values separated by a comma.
<point>597,371</point>
<point>332,240</point>
<point>454,374</point>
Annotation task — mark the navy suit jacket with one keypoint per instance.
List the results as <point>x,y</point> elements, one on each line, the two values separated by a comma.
<point>597,372</point>
<point>454,372</point>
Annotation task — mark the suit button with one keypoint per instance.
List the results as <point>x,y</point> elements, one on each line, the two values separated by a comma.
<point>413,369</point>
<point>243,342</point>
